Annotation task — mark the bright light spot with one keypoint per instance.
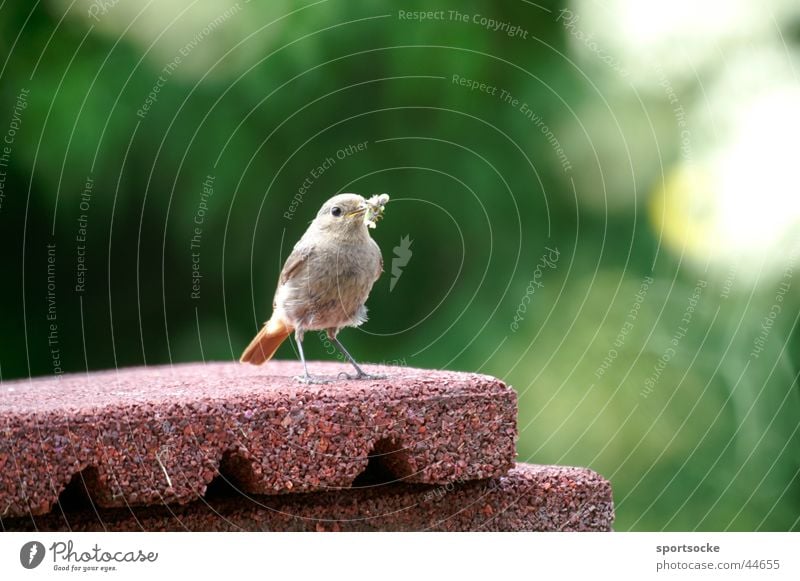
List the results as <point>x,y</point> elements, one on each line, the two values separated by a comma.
<point>758,174</point>
<point>649,25</point>
<point>742,201</point>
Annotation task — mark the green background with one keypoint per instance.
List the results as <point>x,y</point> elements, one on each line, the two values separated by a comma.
<point>270,93</point>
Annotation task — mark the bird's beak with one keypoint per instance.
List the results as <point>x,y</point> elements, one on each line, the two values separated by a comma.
<point>362,208</point>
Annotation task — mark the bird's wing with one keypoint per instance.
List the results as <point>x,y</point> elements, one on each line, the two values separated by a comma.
<point>297,259</point>
<point>293,265</point>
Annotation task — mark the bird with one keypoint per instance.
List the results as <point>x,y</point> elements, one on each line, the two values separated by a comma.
<point>325,281</point>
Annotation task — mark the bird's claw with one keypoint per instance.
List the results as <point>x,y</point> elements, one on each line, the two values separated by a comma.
<point>359,375</point>
<point>308,380</point>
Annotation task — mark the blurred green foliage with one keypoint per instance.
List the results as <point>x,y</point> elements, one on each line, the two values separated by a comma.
<point>265,98</point>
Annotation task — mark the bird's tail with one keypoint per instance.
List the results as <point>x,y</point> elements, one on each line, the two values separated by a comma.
<point>264,345</point>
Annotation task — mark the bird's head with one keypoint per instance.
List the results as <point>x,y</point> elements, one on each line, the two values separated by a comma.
<point>343,215</point>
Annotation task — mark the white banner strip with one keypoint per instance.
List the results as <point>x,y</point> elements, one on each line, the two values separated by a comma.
<point>374,556</point>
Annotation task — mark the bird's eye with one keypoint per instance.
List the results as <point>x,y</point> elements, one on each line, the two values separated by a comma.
<point>336,211</point>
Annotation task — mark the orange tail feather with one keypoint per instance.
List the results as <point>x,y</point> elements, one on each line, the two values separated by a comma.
<point>264,345</point>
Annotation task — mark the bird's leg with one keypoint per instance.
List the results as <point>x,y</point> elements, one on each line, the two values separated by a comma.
<point>360,374</point>
<point>305,378</point>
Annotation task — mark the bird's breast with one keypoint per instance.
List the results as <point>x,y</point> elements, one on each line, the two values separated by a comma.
<point>332,287</point>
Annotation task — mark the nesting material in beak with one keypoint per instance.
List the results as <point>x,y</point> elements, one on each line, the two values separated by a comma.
<point>374,209</point>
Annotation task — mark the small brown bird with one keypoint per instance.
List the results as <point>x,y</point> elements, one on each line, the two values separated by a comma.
<point>326,280</point>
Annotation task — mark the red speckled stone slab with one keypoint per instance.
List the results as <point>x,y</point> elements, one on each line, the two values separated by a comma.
<point>529,498</point>
<point>159,435</point>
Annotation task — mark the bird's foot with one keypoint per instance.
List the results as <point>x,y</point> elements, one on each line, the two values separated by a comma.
<point>360,375</point>
<point>308,379</point>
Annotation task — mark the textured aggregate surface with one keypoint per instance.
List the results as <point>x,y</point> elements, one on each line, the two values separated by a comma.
<point>159,435</point>
<point>528,498</point>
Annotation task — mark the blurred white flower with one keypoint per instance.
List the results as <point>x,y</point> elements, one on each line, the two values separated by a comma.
<point>197,33</point>
<point>680,36</point>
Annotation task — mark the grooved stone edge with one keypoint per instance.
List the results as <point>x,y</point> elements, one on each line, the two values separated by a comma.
<point>159,435</point>
<point>528,498</point>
